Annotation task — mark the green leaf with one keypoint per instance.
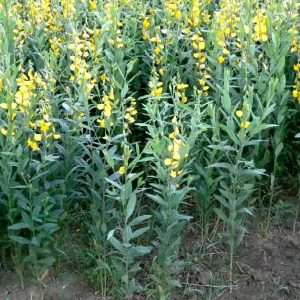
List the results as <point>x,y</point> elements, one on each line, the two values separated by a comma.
<point>50,227</point>
<point>254,172</point>
<point>108,158</point>
<point>116,244</point>
<point>231,134</point>
<point>223,147</point>
<point>246,210</point>
<point>139,220</point>
<point>262,127</point>
<point>174,283</point>
<point>20,240</point>
<point>221,165</point>
<point>18,226</point>
<point>114,183</point>
<point>158,199</point>
<point>278,150</point>
<point>130,206</point>
<point>221,215</point>
<point>142,250</point>
<point>139,232</point>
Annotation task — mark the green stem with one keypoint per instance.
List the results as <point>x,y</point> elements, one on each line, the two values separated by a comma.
<point>231,267</point>
<point>297,214</point>
<point>270,204</point>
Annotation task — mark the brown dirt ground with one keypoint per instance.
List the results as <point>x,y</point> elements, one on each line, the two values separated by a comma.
<point>265,269</point>
<point>268,268</point>
<point>66,288</point>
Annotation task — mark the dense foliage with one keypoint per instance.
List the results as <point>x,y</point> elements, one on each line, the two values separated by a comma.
<point>122,121</point>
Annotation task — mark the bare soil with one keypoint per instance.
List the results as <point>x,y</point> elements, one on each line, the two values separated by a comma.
<point>266,268</point>
<point>68,287</point>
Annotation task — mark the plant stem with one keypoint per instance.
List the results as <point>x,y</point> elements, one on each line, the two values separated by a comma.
<point>297,214</point>
<point>231,266</point>
<point>270,206</point>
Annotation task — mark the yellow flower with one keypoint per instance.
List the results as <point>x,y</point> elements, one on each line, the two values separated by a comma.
<point>146,24</point>
<point>184,100</point>
<point>173,174</point>
<point>101,123</point>
<point>245,124</point>
<point>45,126</point>
<point>157,51</point>
<point>168,161</point>
<point>100,106</point>
<point>3,105</point>
<point>32,145</point>
<point>201,82</point>
<point>295,94</point>
<point>239,113</point>
<point>264,38</point>
<point>172,135</point>
<point>122,170</point>
<point>57,136</point>
<point>221,60</point>
<point>93,5</point>
<point>225,52</point>
<point>3,131</point>
<point>201,45</point>
<point>176,156</point>
<point>103,77</point>
<point>178,15</point>
<point>175,164</point>
<point>37,137</point>
<point>182,86</point>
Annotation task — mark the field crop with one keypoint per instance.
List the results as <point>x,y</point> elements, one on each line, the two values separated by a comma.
<point>123,122</point>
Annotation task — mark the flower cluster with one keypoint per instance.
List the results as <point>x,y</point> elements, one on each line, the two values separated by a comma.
<point>1,83</point>
<point>40,15</point>
<point>260,26</point>
<point>295,44</point>
<point>131,112</point>
<point>156,88</point>
<point>176,151</point>
<point>19,30</point>
<point>244,123</point>
<point>199,45</point>
<point>106,107</point>
<point>43,127</point>
<point>34,111</point>
<point>198,13</point>
<point>26,90</point>
<point>93,5</point>
<point>172,7</point>
<point>181,88</point>
<point>81,49</point>
<point>157,49</point>
<point>55,45</point>
<point>114,30</point>
<point>227,20</point>
<point>296,87</point>
<point>146,24</point>
<point>68,8</point>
